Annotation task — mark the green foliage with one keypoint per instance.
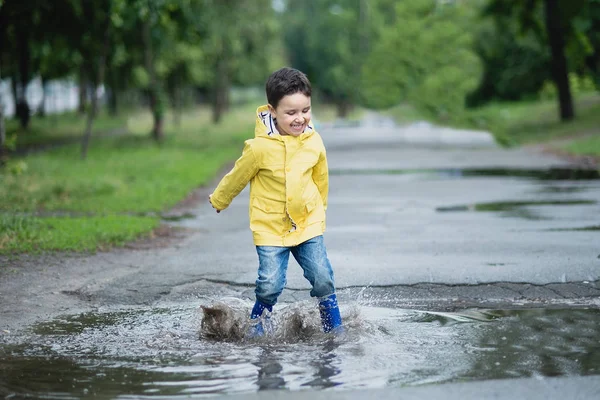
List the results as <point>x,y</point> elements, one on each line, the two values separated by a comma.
<point>59,128</point>
<point>327,40</point>
<point>424,57</point>
<point>240,38</point>
<point>515,49</point>
<point>578,84</point>
<point>585,146</point>
<point>16,167</point>
<point>524,122</point>
<point>121,173</point>
<point>534,121</point>
<point>33,234</point>
<point>15,227</point>
<point>515,64</point>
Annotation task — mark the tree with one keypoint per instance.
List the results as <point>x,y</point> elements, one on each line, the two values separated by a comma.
<point>150,23</point>
<point>240,42</point>
<point>515,64</point>
<point>95,50</point>
<point>424,57</point>
<point>554,24</point>
<point>559,61</point>
<point>33,44</point>
<point>2,126</point>
<point>328,41</point>
<point>16,24</point>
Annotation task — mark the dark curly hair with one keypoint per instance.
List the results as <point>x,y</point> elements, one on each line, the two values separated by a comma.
<point>286,81</point>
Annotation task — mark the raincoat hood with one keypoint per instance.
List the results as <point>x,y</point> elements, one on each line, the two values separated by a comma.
<point>266,125</point>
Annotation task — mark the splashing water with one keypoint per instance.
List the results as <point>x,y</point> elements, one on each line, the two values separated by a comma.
<point>228,320</point>
<point>174,351</point>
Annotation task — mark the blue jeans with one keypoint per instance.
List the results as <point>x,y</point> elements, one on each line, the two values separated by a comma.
<point>273,263</point>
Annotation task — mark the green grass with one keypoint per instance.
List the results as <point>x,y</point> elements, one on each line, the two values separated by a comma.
<point>32,235</point>
<point>536,122</point>
<point>61,127</point>
<point>523,122</point>
<point>123,175</point>
<point>585,146</point>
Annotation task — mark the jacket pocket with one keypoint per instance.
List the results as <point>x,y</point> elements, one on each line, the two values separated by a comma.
<point>314,211</point>
<point>268,206</point>
<point>267,215</point>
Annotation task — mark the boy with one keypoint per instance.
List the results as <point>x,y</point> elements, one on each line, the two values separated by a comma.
<point>286,166</point>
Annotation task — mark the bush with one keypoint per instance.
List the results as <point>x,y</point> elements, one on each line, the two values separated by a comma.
<point>424,58</point>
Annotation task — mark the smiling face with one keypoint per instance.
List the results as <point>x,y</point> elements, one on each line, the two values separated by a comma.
<point>292,114</point>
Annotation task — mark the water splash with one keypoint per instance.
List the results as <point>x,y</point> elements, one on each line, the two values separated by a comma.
<point>228,320</point>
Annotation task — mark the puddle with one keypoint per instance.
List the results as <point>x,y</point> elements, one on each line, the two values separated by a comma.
<point>558,174</point>
<point>561,189</point>
<point>515,208</point>
<point>149,352</point>
<point>582,229</point>
<point>177,217</point>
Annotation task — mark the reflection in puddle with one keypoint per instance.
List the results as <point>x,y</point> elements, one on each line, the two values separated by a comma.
<point>559,174</point>
<point>561,189</point>
<point>517,209</point>
<point>161,351</point>
<point>582,229</point>
<point>177,217</point>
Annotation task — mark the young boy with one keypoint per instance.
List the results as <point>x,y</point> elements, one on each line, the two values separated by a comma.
<point>286,166</point>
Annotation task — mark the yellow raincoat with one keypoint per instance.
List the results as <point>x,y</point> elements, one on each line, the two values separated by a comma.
<point>289,183</point>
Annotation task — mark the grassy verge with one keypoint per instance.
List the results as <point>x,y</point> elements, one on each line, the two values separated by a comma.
<point>57,128</point>
<point>529,122</point>
<point>536,122</point>
<point>123,177</point>
<point>584,146</point>
<point>26,234</point>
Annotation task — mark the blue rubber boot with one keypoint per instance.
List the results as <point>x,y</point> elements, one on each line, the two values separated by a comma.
<point>330,314</point>
<point>257,328</point>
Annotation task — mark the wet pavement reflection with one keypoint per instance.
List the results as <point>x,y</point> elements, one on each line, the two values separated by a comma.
<point>545,174</point>
<point>163,351</point>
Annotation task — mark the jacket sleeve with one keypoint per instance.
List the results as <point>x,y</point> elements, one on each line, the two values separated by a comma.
<point>321,177</point>
<point>245,168</point>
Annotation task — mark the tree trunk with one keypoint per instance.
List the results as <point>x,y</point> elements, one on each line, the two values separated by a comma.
<point>559,61</point>
<point>176,101</point>
<point>13,86</point>
<point>22,107</point>
<point>113,102</point>
<point>157,114</point>
<point>91,115</point>
<point>221,89</point>
<point>2,129</point>
<point>41,109</point>
<point>93,110</point>
<point>83,84</point>
<point>343,108</point>
<point>112,92</point>
<point>156,104</point>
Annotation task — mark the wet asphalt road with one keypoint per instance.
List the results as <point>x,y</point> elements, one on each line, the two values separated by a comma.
<point>417,215</point>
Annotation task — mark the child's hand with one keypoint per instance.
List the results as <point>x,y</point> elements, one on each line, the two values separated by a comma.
<point>210,201</point>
